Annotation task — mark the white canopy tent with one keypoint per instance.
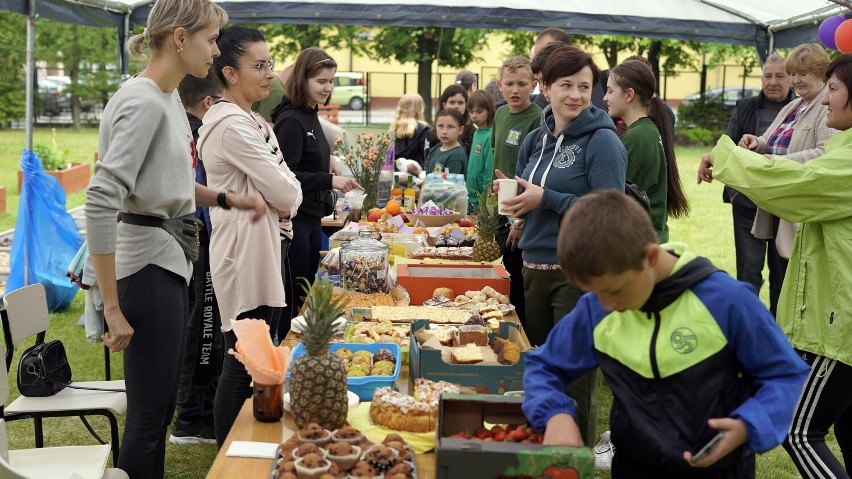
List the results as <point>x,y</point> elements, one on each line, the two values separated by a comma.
<point>765,24</point>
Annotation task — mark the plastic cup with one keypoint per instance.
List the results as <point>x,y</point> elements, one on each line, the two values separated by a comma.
<point>508,189</point>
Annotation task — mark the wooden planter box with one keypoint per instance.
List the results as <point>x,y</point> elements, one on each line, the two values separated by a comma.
<point>72,179</point>
<point>2,199</point>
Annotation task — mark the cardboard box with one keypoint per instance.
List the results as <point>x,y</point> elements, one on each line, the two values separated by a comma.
<point>483,378</point>
<point>464,459</point>
<point>421,279</point>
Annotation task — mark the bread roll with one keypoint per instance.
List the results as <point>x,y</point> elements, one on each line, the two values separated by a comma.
<point>446,292</point>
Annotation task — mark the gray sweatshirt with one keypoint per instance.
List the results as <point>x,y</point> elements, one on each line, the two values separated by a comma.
<point>146,167</point>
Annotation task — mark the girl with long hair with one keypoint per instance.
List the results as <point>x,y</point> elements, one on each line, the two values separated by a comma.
<point>631,94</point>
<point>409,129</point>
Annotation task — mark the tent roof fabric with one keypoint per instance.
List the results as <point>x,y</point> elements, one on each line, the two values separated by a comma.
<point>725,21</point>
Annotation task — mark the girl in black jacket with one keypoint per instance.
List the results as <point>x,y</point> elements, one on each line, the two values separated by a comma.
<point>308,155</point>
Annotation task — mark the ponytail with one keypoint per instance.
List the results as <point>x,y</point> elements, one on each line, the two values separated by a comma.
<point>677,206</point>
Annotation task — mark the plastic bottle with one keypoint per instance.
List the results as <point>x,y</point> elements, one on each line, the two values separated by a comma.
<point>409,194</point>
<point>396,192</point>
<point>384,186</point>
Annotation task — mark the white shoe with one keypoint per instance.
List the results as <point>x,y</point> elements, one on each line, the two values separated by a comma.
<point>604,451</point>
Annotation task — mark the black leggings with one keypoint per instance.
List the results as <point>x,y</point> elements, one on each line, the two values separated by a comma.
<point>302,262</point>
<point>825,400</point>
<point>155,302</point>
<point>234,382</point>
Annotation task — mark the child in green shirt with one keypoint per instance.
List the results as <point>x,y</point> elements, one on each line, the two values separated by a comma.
<point>450,155</point>
<point>480,163</point>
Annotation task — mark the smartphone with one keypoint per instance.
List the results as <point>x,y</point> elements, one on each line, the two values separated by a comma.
<point>707,447</point>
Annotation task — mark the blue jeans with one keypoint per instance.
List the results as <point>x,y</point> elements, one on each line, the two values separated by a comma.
<point>156,303</point>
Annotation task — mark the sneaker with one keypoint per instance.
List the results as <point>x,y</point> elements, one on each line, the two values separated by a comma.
<point>604,451</point>
<point>185,432</point>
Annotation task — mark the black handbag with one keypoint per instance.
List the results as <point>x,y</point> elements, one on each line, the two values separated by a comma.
<point>44,370</point>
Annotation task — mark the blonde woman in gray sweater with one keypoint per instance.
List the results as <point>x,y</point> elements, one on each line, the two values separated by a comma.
<point>147,174</point>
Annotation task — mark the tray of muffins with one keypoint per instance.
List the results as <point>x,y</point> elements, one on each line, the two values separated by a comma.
<point>317,453</point>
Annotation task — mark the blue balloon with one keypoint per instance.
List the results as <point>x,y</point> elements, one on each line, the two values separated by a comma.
<point>827,29</point>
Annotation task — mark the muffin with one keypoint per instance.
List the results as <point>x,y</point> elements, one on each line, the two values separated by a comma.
<point>311,466</point>
<point>394,437</point>
<point>363,469</point>
<point>287,466</point>
<point>401,469</point>
<point>306,448</point>
<point>287,447</point>
<point>401,449</point>
<point>343,454</point>
<point>380,457</point>
<point>347,434</point>
<point>336,472</point>
<point>314,433</point>
<point>285,475</point>
<point>384,354</point>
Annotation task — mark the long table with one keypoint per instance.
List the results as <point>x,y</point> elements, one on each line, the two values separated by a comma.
<point>246,428</point>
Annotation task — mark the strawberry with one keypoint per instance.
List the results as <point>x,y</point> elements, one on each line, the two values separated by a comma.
<point>519,434</point>
<point>500,436</point>
<point>460,435</point>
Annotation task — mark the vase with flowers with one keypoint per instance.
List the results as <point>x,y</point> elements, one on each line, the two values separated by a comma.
<point>366,158</point>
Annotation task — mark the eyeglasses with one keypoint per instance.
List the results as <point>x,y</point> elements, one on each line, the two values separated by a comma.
<point>263,66</point>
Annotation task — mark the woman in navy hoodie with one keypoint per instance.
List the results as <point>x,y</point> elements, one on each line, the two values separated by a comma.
<point>574,152</point>
<point>306,151</point>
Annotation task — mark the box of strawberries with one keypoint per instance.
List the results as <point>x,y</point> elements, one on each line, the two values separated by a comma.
<point>487,437</point>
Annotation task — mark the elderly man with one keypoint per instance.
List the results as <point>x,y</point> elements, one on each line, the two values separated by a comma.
<point>753,116</point>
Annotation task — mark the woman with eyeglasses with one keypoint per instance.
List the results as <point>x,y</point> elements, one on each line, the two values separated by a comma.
<point>241,154</point>
<point>307,153</point>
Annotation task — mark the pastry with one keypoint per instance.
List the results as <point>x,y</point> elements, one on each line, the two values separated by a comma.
<point>507,351</point>
<point>394,410</point>
<point>363,469</point>
<point>445,292</point>
<point>472,335</point>
<point>380,457</point>
<point>468,354</point>
<point>384,355</point>
<point>348,435</point>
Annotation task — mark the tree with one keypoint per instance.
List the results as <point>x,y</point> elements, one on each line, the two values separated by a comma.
<point>12,74</point>
<point>453,47</point>
<point>286,40</point>
<point>89,58</point>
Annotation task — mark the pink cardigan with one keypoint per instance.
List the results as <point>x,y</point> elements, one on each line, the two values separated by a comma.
<point>241,154</point>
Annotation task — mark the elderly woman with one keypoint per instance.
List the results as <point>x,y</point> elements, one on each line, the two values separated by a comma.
<point>816,299</point>
<point>799,131</point>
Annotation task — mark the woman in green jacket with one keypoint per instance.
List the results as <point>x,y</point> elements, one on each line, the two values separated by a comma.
<point>815,308</point>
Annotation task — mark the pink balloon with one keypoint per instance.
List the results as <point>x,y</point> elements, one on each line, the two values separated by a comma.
<point>827,29</point>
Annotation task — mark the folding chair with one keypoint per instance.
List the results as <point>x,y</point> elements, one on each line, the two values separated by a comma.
<point>26,315</point>
<point>50,462</point>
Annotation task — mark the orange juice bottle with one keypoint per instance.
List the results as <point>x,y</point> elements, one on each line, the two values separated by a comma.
<point>409,195</point>
<point>396,192</point>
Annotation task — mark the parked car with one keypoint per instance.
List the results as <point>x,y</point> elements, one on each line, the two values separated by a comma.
<point>728,95</point>
<point>349,90</point>
<point>52,99</point>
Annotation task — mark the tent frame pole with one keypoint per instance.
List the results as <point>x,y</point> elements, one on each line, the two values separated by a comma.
<point>30,111</point>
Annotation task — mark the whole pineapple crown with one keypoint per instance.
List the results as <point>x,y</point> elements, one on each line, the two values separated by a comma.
<point>487,218</point>
<point>322,310</point>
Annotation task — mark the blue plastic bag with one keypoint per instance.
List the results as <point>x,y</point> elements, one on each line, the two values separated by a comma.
<point>46,237</point>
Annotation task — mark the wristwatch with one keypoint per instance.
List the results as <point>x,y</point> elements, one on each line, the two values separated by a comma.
<point>222,201</point>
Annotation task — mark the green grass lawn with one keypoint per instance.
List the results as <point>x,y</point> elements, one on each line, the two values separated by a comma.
<point>707,230</point>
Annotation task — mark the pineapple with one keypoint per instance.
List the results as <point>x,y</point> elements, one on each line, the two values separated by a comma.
<point>318,379</point>
<point>486,248</point>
